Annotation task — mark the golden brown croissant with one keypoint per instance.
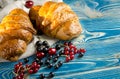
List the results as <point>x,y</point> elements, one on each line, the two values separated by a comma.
<point>12,49</point>
<point>56,20</point>
<point>16,31</point>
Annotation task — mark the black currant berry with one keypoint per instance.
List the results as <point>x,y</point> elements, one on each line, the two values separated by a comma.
<point>45,43</point>
<point>60,63</point>
<point>50,57</point>
<point>37,59</point>
<point>50,65</point>
<point>80,55</point>
<point>26,60</point>
<point>58,46</point>
<point>45,50</point>
<point>55,59</point>
<point>39,43</point>
<point>40,48</point>
<point>42,76</point>
<point>47,62</point>
<point>51,74</point>
<point>61,52</point>
<point>56,66</point>
<point>40,62</point>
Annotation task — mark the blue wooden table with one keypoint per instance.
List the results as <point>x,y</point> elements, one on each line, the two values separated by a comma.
<point>100,20</point>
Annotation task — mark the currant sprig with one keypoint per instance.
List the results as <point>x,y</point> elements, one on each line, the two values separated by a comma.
<point>48,56</point>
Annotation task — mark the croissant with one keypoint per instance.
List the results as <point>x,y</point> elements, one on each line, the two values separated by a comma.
<point>16,31</point>
<point>56,20</point>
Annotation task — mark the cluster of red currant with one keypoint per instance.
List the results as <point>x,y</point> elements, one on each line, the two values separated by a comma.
<point>19,71</point>
<point>71,50</point>
<point>48,56</point>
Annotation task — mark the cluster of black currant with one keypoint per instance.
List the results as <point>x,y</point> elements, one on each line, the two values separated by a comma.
<point>48,56</point>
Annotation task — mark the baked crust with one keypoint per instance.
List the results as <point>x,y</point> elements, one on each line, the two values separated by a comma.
<point>57,20</point>
<point>16,31</point>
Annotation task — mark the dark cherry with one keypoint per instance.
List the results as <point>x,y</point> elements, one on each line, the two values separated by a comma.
<point>52,51</point>
<point>29,4</point>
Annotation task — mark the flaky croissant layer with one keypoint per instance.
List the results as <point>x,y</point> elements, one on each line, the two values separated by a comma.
<point>56,20</point>
<point>16,31</point>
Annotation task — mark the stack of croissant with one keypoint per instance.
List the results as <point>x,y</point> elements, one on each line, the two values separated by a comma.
<point>16,31</point>
<point>56,19</point>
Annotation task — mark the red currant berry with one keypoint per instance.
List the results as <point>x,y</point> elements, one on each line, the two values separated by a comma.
<point>38,66</point>
<point>14,77</point>
<point>18,77</point>
<point>35,70</point>
<point>17,66</point>
<point>40,55</point>
<point>30,71</point>
<point>72,47</point>
<point>21,74</point>
<point>72,57</point>
<point>15,70</point>
<point>66,52</point>
<point>67,58</point>
<point>66,48</point>
<point>27,66</point>
<point>75,51</point>
<point>70,43</point>
<point>20,63</point>
<point>82,50</point>
<point>21,69</point>
<point>71,53</point>
<point>34,64</point>
<point>65,43</point>
<point>29,4</point>
<point>52,51</point>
